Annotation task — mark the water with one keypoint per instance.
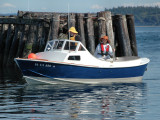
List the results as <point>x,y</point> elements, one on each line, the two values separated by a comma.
<point>138,101</point>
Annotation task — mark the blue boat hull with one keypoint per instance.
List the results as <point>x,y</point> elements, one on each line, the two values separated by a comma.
<point>59,70</point>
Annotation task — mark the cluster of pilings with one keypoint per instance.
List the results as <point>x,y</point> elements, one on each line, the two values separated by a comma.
<point>29,31</point>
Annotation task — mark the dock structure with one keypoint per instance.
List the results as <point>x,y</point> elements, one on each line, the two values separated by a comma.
<point>29,31</point>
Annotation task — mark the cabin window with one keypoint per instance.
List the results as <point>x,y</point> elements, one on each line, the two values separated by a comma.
<point>58,45</point>
<point>70,46</point>
<point>74,58</point>
<point>51,43</point>
<point>48,47</point>
<point>55,45</point>
<point>81,48</point>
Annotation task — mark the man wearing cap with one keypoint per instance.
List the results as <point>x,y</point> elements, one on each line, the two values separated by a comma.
<point>74,34</point>
<point>103,49</point>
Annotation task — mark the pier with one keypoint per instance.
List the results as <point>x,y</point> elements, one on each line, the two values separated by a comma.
<point>28,32</point>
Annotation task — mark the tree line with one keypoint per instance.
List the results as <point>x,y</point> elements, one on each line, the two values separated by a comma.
<point>144,16</point>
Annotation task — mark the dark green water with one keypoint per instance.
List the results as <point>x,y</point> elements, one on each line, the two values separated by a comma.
<point>140,101</point>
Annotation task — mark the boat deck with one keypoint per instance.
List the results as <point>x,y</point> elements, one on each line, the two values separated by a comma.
<point>128,58</point>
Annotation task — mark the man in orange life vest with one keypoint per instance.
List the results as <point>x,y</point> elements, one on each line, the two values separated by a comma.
<point>104,50</point>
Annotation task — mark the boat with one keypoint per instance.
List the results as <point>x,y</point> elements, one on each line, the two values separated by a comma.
<point>69,61</point>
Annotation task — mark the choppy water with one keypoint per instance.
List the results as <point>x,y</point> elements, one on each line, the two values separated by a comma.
<point>140,101</point>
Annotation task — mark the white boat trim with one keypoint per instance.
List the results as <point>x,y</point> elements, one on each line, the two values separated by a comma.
<point>40,80</point>
<point>112,64</point>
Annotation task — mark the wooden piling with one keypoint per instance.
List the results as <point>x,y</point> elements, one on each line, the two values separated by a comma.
<point>2,41</point>
<point>47,30</point>
<point>13,49</point>
<point>40,39</point>
<point>90,33</point>
<point>21,41</point>
<point>109,28</point>
<point>1,38</point>
<point>128,45</point>
<point>132,35</point>
<point>8,42</point>
<point>122,36</point>
<point>37,39</point>
<point>101,24</point>
<point>45,35</point>
<point>1,29</point>
<point>35,46</point>
<point>80,27</point>
<point>55,22</point>
<point>25,38</point>
<point>29,42</point>
<point>72,21</point>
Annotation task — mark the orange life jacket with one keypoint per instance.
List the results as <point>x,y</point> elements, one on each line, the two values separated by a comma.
<point>102,49</point>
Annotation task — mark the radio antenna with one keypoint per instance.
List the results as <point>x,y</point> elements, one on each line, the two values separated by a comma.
<point>68,27</point>
<point>68,23</point>
<point>28,5</point>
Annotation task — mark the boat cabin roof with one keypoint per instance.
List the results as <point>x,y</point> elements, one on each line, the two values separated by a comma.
<point>64,44</point>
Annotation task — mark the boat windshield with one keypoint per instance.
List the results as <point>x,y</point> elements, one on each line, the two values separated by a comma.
<point>64,45</point>
<point>49,46</point>
<point>70,46</point>
<point>58,45</point>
